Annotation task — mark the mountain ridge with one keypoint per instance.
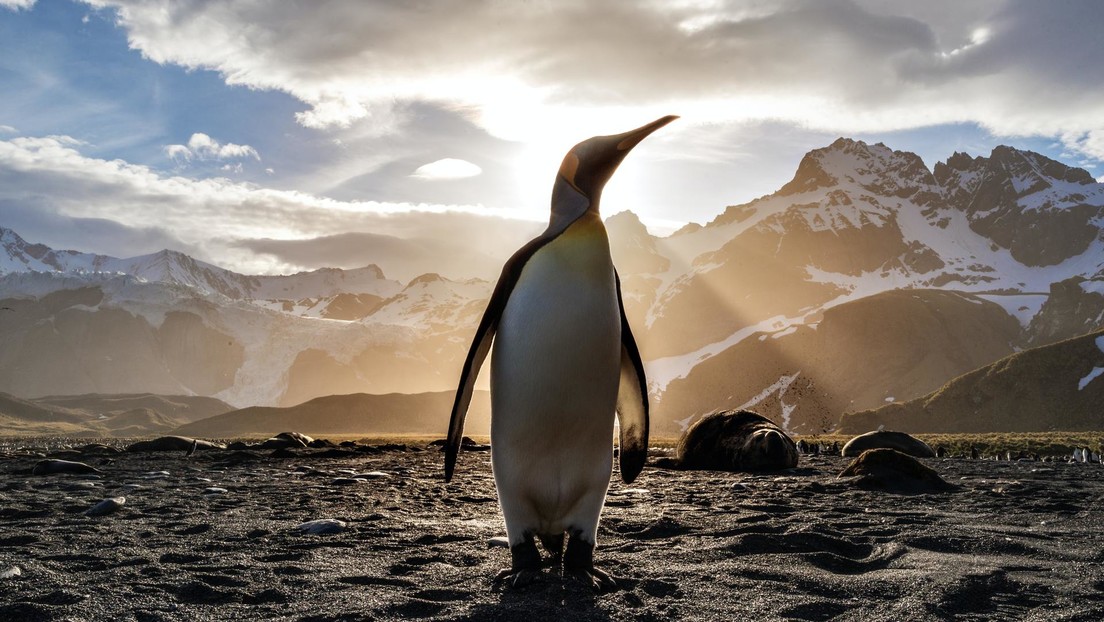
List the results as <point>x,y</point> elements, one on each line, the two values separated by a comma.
<point>856,221</point>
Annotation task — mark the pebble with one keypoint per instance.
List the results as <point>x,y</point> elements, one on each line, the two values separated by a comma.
<point>346,481</point>
<point>107,506</point>
<point>11,573</point>
<point>498,541</point>
<point>214,490</point>
<point>82,485</point>
<point>373,475</point>
<point>155,475</point>
<point>322,526</point>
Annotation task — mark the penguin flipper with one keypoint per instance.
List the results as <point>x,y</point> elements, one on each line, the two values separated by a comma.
<point>632,402</point>
<point>481,346</point>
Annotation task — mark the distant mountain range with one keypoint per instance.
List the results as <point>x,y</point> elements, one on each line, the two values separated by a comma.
<point>867,279</point>
<point>104,415</point>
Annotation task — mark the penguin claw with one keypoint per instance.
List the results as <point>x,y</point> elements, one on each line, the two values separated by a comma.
<point>598,580</point>
<point>516,579</point>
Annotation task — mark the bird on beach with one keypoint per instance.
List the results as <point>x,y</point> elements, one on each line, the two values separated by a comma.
<point>564,362</point>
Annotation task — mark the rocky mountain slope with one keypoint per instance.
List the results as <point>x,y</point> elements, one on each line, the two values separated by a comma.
<point>866,277</point>
<point>1055,387</point>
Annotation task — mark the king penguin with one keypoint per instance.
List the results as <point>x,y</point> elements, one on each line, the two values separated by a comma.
<point>564,364</point>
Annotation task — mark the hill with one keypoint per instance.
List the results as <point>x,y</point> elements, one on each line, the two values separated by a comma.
<point>1054,387</point>
<point>347,415</point>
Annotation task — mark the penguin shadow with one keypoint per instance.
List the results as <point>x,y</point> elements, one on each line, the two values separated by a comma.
<point>551,597</point>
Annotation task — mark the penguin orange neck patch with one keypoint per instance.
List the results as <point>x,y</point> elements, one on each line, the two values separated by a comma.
<point>569,168</point>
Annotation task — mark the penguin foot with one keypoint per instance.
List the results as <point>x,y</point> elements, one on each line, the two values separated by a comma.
<point>598,580</point>
<point>516,579</point>
<point>525,567</point>
<point>579,564</point>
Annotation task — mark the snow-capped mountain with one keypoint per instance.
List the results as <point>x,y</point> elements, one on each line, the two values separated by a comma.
<point>168,323</point>
<point>858,220</point>
<point>169,266</point>
<point>866,279</point>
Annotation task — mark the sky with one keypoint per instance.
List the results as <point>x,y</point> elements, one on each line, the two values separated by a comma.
<point>275,137</point>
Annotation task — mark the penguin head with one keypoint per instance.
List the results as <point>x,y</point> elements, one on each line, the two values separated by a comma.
<point>591,163</point>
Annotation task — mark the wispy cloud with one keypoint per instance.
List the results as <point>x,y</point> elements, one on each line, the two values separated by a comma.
<point>448,168</point>
<point>52,175</point>
<point>17,5</point>
<point>202,147</point>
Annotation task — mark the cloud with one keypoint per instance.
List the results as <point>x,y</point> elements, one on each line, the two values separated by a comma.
<point>202,147</point>
<point>1015,67</point>
<point>17,5</point>
<point>7,129</point>
<point>210,218</point>
<point>448,168</point>
<point>400,258</point>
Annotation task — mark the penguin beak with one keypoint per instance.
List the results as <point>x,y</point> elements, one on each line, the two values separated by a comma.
<point>632,138</point>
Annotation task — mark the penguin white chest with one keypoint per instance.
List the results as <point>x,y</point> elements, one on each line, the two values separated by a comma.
<point>558,342</point>
<point>555,373</point>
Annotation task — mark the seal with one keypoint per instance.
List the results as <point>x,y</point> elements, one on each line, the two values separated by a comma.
<point>736,440</point>
<point>885,439</point>
<point>173,443</point>
<point>49,467</point>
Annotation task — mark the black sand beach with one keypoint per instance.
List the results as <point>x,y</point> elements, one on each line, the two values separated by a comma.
<point>1018,540</point>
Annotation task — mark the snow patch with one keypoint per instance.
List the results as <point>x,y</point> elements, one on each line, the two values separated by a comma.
<point>661,372</point>
<point>1023,307</point>
<point>1092,375</point>
<point>780,386</point>
<point>1093,287</point>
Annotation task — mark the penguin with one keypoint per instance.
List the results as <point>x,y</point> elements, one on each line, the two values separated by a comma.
<point>564,364</point>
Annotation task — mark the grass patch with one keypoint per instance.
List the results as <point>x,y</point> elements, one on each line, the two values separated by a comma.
<point>992,443</point>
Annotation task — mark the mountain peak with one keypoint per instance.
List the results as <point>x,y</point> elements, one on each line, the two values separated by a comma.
<point>872,168</point>
<point>427,278</point>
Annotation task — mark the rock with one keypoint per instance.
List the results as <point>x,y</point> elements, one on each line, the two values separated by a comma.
<point>880,439</point>
<point>498,542</point>
<point>107,506</point>
<point>322,527</point>
<point>467,443</point>
<point>11,573</point>
<point>736,441</point>
<point>891,470</point>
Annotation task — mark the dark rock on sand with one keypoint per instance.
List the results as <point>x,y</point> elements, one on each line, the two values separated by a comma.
<point>889,469</point>
<point>173,443</point>
<point>322,526</point>
<point>467,443</point>
<point>884,439</point>
<point>48,467</point>
<point>107,506</point>
<point>736,440</point>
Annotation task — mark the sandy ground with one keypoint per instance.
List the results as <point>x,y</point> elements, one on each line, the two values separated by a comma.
<point>1018,541</point>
